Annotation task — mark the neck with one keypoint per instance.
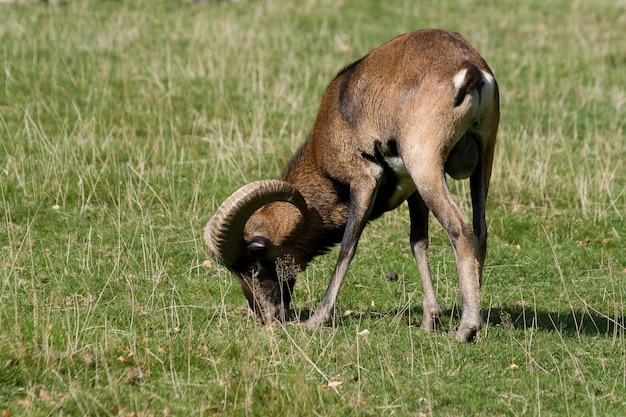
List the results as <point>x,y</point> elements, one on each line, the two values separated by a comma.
<point>326,200</point>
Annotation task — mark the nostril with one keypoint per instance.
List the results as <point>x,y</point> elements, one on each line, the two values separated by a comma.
<point>253,273</point>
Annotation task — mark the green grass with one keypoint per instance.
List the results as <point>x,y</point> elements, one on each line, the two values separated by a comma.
<point>124,125</point>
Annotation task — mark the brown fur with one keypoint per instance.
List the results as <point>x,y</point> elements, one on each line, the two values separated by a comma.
<point>388,127</point>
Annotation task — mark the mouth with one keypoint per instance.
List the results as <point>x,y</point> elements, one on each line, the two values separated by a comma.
<point>270,296</point>
<point>258,301</point>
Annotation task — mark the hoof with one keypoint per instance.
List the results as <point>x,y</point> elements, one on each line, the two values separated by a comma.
<point>315,321</point>
<point>431,323</point>
<point>466,333</point>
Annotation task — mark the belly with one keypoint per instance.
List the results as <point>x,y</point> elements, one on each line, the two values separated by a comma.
<point>396,185</point>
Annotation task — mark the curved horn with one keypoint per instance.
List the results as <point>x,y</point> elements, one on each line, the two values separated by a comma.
<point>223,233</point>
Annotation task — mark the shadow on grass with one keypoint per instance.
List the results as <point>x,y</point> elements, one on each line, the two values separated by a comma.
<point>569,323</point>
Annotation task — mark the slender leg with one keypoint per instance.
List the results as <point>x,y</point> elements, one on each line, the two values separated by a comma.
<point>479,199</point>
<point>462,237</point>
<point>419,244</point>
<point>361,200</point>
<point>426,170</point>
<point>479,185</point>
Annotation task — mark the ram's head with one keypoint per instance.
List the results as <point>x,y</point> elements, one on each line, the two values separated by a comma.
<point>250,234</point>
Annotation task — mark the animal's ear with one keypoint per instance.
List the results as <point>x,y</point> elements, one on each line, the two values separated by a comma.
<point>259,243</point>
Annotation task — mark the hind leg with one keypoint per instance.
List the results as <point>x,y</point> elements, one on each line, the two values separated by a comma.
<point>419,244</point>
<point>426,170</point>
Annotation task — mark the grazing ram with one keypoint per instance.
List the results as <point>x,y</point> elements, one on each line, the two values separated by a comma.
<point>389,127</point>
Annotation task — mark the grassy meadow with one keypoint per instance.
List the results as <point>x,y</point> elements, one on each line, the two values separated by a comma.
<point>124,125</point>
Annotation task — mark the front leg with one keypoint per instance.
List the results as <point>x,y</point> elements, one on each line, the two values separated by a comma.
<point>362,197</point>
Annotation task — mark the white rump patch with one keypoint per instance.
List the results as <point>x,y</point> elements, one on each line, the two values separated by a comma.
<point>459,78</point>
<point>490,83</point>
<point>487,90</point>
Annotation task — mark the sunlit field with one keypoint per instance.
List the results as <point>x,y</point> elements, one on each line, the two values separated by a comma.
<point>125,124</point>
